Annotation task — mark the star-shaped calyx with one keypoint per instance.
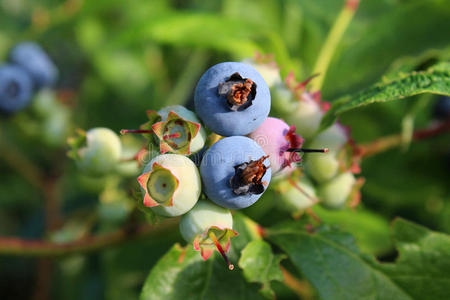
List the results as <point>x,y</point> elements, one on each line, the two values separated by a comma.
<point>159,185</point>
<point>215,238</point>
<point>173,133</point>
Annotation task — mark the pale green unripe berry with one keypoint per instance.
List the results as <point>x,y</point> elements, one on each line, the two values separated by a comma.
<point>332,138</point>
<point>335,193</point>
<point>203,216</point>
<point>296,194</point>
<point>282,99</point>
<point>306,117</point>
<point>101,153</point>
<point>322,167</point>
<point>269,71</point>
<point>172,184</point>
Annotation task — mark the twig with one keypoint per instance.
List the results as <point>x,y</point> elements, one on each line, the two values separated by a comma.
<point>301,288</point>
<point>332,41</point>
<point>21,247</point>
<point>391,141</point>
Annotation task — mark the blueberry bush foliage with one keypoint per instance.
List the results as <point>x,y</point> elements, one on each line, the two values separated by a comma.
<point>123,179</point>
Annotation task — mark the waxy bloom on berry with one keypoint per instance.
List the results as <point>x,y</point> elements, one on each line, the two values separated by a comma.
<point>275,137</point>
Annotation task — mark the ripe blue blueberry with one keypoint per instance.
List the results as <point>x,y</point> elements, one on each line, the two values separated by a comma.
<point>441,108</point>
<point>33,58</point>
<point>16,88</point>
<point>232,98</point>
<point>235,172</point>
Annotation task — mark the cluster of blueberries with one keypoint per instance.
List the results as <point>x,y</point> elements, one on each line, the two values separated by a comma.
<point>28,69</point>
<point>229,149</point>
<point>243,151</point>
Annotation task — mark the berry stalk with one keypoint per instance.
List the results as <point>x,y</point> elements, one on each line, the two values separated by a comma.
<point>213,237</point>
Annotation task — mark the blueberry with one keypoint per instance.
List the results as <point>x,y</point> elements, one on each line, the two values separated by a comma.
<point>322,167</point>
<point>208,227</point>
<point>275,137</point>
<point>33,58</point>
<point>171,184</point>
<point>334,193</point>
<point>295,194</point>
<point>174,129</point>
<point>232,98</point>
<point>333,138</point>
<point>306,116</point>
<point>441,109</point>
<point>235,172</point>
<point>16,88</point>
<point>97,151</point>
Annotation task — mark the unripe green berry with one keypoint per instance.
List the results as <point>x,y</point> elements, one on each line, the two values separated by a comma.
<point>296,194</point>
<point>171,184</point>
<point>321,167</point>
<point>332,138</point>
<point>202,217</point>
<point>209,228</point>
<point>306,117</point>
<point>334,194</point>
<point>97,151</point>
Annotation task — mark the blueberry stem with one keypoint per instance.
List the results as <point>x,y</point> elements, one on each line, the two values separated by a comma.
<point>213,237</point>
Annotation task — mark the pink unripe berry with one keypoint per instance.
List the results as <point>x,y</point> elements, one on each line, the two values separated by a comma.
<point>275,137</point>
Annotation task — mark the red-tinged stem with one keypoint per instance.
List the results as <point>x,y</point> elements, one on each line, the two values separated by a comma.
<point>213,237</point>
<point>41,248</point>
<point>125,131</point>
<point>385,143</point>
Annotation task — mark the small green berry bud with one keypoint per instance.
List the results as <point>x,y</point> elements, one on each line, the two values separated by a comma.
<point>96,151</point>
<point>322,167</point>
<point>296,194</point>
<point>334,194</point>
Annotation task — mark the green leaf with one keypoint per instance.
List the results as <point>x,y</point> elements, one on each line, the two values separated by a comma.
<point>261,265</point>
<point>370,230</point>
<point>182,274</point>
<point>435,80</point>
<point>423,266</point>
<point>248,231</point>
<point>330,260</point>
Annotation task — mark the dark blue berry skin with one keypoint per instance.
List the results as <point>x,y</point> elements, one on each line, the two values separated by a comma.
<point>214,110</point>
<point>16,88</point>
<point>217,168</point>
<point>33,58</point>
<point>441,109</point>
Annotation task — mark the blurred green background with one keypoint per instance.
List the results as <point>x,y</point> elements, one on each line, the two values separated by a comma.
<point>120,58</point>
